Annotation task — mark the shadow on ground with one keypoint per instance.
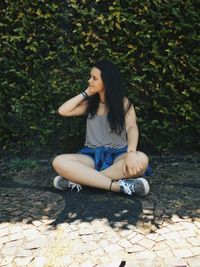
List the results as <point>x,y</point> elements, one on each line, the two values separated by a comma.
<point>27,195</point>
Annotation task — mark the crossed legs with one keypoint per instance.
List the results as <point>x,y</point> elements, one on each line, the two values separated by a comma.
<point>80,169</point>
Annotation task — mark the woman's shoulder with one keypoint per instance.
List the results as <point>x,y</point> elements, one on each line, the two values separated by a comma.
<point>125,100</point>
<point>127,103</point>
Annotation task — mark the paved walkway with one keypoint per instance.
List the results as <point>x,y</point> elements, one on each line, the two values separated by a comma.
<point>40,226</point>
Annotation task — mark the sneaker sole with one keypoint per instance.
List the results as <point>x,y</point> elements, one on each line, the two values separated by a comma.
<point>146,186</point>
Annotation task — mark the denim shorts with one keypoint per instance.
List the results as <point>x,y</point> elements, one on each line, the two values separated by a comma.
<point>102,156</point>
<point>105,156</point>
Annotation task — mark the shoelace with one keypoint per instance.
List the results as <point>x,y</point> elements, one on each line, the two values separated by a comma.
<point>128,188</point>
<point>75,186</point>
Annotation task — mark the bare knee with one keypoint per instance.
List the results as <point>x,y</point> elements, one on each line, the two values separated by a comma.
<point>57,162</point>
<point>143,159</point>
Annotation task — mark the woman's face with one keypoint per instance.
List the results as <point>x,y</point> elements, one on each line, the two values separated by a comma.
<point>95,82</point>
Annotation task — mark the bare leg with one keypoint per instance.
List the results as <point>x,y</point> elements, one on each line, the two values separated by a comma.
<point>115,172</point>
<point>79,169</point>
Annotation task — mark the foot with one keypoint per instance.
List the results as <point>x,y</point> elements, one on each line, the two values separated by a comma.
<point>63,184</point>
<point>138,187</point>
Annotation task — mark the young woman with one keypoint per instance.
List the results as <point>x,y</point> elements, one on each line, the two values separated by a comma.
<point>109,159</point>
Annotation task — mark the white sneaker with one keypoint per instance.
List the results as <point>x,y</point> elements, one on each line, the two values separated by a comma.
<point>63,184</point>
<point>139,186</point>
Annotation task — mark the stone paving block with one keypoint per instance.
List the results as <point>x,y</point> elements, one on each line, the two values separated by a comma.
<point>38,262</point>
<point>135,248</point>
<point>22,261</point>
<point>36,223</point>
<point>34,244</point>
<point>15,243</point>
<point>147,243</point>
<point>176,227</point>
<point>158,220</point>
<point>174,262</point>
<point>195,251</point>
<point>98,252</point>
<point>87,263</point>
<point>125,233</point>
<point>193,241</point>
<point>17,213</point>
<point>136,238</point>
<point>104,260</point>
<point>148,217</point>
<point>197,223</point>
<point>4,225</point>
<point>72,235</point>
<point>188,225</point>
<point>151,263</point>
<point>163,230</point>
<point>124,243</point>
<point>100,230</point>
<point>160,238</point>
<point>84,247</point>
<point>197,230</point>
<point>182,253</point>
<point>133,234</point>
<point>147,205</point>
<point>7,260</point>
<point>145,254</point>
<point>112,248</point>
<point>152,236</point>
<point>175,218</point>
<point>160,245</point>
<point>103,243</point>
<point>20,252</point>
<point>5,239</point>
<point>166,222</point>
<point>15,236</point>
<point>31,234</point>
<point>86,238</point>
<point>182,242</point>
<point>113,238</point>
<point>4,232</point>
<point>83,225</point>
<point>172,235</point>
<point>121,254</point>
<point>194,261</point>
<point>65,260</point>
<point>85,231</point>
<point>173,244</point>
<point>97,237</point>
<point>8,251</point>
<point>187,233</point>
<point>15,229</point>
<point>148,211</point>
<point>164,253</point>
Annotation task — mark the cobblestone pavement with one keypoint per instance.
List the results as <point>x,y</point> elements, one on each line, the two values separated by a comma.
<point>40,226</point>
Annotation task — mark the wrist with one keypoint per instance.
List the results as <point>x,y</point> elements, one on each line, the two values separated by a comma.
<point>85,95</point>
<point>131,151</point>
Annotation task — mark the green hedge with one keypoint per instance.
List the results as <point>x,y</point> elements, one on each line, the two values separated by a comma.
<point>47,49</point>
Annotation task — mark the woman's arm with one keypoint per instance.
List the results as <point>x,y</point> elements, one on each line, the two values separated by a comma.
<point>131,165</point>
<point>131,127</point>
<point>75,106</point>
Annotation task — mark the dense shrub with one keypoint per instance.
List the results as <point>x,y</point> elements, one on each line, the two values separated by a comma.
<point>47,49</point>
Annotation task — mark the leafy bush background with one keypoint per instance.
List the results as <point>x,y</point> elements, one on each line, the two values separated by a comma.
<point>47,50</point>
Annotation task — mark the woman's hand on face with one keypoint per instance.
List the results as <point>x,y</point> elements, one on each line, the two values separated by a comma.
<point>89,91</point>
<point>132,165</point>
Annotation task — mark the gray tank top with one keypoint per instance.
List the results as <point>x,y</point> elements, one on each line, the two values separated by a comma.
<point>98,134</point>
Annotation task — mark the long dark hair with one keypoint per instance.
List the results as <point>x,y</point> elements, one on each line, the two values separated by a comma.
<point>113,94</point>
